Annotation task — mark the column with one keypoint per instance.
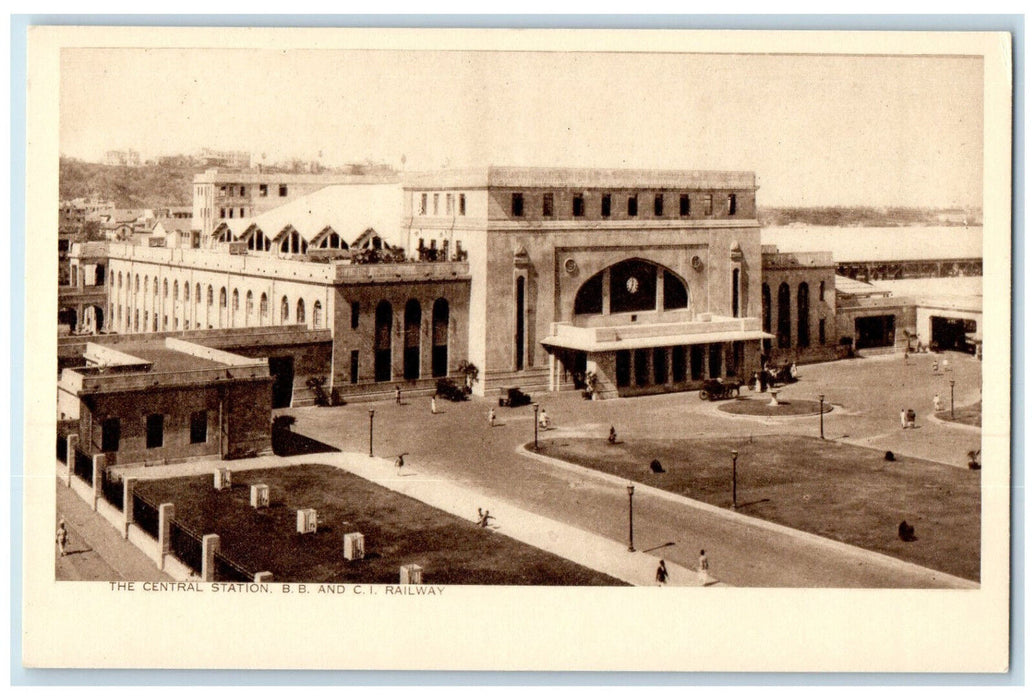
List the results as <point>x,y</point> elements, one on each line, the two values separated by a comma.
<point>209,547</point>
<point>98,476</point>
<point>128,485</point>
<point>553,371</point>
<point>73,444</point>
<point>166,513</point>
<point>606,292</point>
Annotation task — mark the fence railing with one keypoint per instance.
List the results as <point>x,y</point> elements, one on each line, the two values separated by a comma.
<point>229,570</point>
<point>145,515</point>
<point>111,489</point>
<point>83,467</point>
<point>185,545</point>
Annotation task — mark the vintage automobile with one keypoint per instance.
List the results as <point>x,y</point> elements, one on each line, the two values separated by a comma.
<point>512,396</point>
<point>715,389</point>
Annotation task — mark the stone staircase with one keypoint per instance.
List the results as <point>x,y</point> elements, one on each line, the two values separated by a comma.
<point>535,380</point>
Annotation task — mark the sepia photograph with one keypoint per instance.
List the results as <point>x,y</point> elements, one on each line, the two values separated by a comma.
<point>546,338</point>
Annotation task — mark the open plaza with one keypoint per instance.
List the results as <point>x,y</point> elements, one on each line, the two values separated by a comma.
<point>811,511</point>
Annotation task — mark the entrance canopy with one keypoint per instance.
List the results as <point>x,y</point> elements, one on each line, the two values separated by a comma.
<point>611,338</point>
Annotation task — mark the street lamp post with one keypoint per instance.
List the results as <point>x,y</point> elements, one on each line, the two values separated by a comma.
<point>630,488</point>
<point>734,453</point>
<point>952,399</point>
<point>371,432</point>
<point>535,423</point>
<point>821,397</point>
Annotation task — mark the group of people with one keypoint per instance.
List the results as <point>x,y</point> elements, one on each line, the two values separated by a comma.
<point>770,376</point>
<point>661,576</point>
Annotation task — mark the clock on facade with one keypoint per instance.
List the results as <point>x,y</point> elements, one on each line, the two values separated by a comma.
<point>632,284</point>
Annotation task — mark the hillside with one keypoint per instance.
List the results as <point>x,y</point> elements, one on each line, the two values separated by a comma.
<point>867,216</point>
<point>145,186</point>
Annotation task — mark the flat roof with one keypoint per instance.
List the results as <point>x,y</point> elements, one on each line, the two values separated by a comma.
<point>531,177</point>
<point>164,359</point>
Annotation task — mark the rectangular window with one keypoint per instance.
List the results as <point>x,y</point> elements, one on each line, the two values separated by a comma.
<point>263,190</point>
<point>731,205</point>
<point>231,212</point>
<point>355,314</point>
<point>548,204</point>
<point>242,212</point>
<point>822,331</point>
<point>110,429</point>
<point>605,205</point>
<point>578,205</point>
<point>198,427</point>
<point>354,367</point>
<point>633,206</point>
<point>517,204</point>
<point>659,204</point>
<point>222,212</point>
<point>463,205</point>
<point>155,430</point>
<point>242,190</point>
<point>423,204</point>
<point>708,205</point>
<point>434,206</point>
<point>282,190</point>
<point>449,205</point>
<point>684,205</point>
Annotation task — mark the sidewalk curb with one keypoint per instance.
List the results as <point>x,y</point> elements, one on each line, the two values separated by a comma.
<point>748,521</point>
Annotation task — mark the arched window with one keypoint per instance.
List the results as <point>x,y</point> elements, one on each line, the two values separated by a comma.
<point>155,287</point>
<point>803,315</point>
<point>209,296</point>
<point>145,286</point>
<point>767,309</point>
<point>590,297</point>
<point>136,287</point>
<point>264,308</point>
<point>120,280</point>
<point>411,340</point>
<point>736,292</point>
<point>383,342</point>
<point>222,297</point>
<point>300,312</point>
<point>186,291</point>
<point>235,306</point>
<point>249,308</point>
<point>285,310</point>
<point>112,275</point>
<point>440,338</point>
<point>176,290</point>
<point>165,289</point>
<point>317,315</point>
<point>783,316</point>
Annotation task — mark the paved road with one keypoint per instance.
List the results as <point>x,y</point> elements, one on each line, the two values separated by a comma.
<point>459,445</point>
<point>95,550</point>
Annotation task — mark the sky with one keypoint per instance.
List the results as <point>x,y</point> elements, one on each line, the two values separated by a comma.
<point>817,130</point>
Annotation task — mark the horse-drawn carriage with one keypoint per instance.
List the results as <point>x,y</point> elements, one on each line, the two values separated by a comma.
<point>715,389</point>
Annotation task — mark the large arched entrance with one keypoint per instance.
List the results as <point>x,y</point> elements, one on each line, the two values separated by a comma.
<point>411,340</point>
<point>383,342</point>
<point>783,316</point>
<point>440,338</point>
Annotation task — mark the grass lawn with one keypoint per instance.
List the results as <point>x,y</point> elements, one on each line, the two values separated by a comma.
<point>839,491</point>
<point>968,415</point>
<point>398,530</point>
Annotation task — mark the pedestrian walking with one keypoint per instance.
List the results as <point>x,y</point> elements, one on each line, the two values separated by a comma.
<point>434,409</point>
<point>910,418</point>
<point>662,574</point>
<point>544,420</point>
<point>902,418</point>
<point>484,518</point>
<point>62,536</point>
<point>492,417</point>
<point>934,367</point>
<point>905,355</point>
<point>938,403</point>
<point>398,395</point>
<point>399,462</point>
<point>702,568</point>
<point>612,437</point>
